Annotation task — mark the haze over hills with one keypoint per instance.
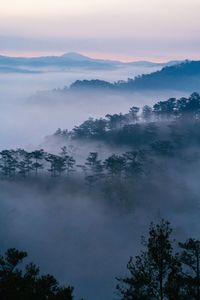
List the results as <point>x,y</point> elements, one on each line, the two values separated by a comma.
<point>99,150</point>
<point>184,77</point>
<point>69,61</point>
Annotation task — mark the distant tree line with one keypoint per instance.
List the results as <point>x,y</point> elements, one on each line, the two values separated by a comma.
<point>175,130</point>
<point>22,163</point>
<point>182,76</point>
<point>164,270</point>
<point>150,143</point>
<point>129,165</point>
<point>139,128</point>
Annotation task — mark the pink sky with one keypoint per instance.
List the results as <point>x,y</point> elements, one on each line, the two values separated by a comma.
<point>99,55</point>
<point>127,30</point>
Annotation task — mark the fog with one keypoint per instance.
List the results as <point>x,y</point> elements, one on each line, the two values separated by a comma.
<point>16,84</point>
<point>68,230</point>
<point>27,115</point>
<point>84,241</point>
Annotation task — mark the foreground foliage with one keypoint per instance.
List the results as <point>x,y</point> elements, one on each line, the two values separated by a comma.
<point>164,269</point>
<point>26,283</point>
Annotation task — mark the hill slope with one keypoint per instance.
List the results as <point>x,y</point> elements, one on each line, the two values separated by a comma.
<point>184,76</point>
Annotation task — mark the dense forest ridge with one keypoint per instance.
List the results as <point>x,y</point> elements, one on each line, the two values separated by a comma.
<point>137,126</point>
<point>165,131</point>
<point>164,269</point>
<point>183,76</point>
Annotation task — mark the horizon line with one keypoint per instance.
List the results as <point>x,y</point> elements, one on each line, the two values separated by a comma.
<point>92,55</point>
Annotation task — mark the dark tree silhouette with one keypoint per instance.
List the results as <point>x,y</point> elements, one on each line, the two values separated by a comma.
<point>57,164</point>
<point>133,163</point>
<point>133,114</point>
<point>147,113</point>
<point>94,168</point>
<point>69,161</point>
<point>8,163</point>
<point>150,271</point>
<point>38,156</point>
<point>115,165</point>
<point>25,163</point>
<point>190,258</point>
<point>26,283</point>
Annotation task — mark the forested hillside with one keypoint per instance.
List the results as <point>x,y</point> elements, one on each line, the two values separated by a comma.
<point>184,76</point>
<point>142,151</point>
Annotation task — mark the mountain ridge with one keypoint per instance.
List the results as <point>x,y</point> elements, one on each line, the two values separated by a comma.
<point>183,76</point>
<point>74,60</point>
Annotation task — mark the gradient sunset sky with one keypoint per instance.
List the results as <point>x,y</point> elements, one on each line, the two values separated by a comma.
<point>156,30</point>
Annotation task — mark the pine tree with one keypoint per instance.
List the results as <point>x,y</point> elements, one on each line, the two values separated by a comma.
<point>152,271</point>
<point>38,156</point>
<point>190,258</point>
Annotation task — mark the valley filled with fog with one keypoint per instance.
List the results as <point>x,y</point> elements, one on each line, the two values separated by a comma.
<point>28,114</point>
<point>99,150</point>
<point>69,220</point>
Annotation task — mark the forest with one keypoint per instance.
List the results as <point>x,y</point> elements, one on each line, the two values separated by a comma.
<point>99,150</point>
<point>182,76</point>
<point>141,127</point>
<point>147,140</point>
<point>163,269</point>
<point>162,133</point>
<point>144,150</point>
<point>146,165</point>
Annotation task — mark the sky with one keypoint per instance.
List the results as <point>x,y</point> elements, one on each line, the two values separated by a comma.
<point>127,30</point>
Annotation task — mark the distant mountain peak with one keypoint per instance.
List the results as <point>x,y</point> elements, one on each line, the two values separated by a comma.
<point>75,56</point>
